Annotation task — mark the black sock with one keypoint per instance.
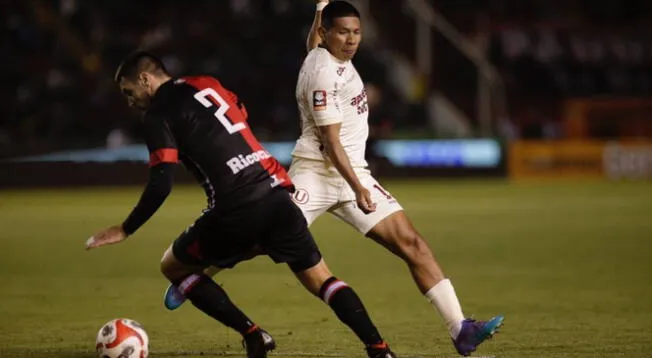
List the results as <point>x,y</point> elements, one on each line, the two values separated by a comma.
<point>211,299</point>
<point>350,310</point>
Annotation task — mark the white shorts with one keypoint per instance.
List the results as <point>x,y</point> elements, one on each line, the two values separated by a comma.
<point>320,188</point>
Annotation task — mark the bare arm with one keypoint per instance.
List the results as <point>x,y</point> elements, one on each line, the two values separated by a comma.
<point>313,36</point>
<point>330,135</point>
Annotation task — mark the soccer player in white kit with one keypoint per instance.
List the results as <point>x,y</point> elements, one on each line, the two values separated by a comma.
<point>330,173</point>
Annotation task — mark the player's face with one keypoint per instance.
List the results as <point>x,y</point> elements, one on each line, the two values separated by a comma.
<point>343,38</point>
<point>136,95</point>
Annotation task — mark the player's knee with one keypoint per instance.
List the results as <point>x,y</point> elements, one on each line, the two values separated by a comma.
<point>413,247</point>
<point>171,270</point>
<point>314,277</point>
<point>167,270</point>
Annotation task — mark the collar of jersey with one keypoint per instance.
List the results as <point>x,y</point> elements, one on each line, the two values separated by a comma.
<point>337,60</point>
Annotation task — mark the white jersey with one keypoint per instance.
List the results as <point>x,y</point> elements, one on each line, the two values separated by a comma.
<point>330,91</point>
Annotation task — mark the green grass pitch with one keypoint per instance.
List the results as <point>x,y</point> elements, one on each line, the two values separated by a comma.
<point>568,264</point>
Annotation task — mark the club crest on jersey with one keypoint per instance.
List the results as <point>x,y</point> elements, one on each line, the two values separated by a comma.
<point>301,196</point>
<point>340,70</point>
<point>319,100</point>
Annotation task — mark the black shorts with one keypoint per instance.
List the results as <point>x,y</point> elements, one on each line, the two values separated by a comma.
<point>273,225</point>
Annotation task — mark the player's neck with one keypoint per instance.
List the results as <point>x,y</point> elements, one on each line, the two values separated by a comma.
<point>333,56</point>
<point>159,81</point>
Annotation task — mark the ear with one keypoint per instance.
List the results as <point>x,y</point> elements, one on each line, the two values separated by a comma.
<point>143,80</point>
<point>322,33</point>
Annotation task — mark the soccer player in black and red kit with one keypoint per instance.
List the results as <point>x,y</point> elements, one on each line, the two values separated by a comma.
<point>196,121</point>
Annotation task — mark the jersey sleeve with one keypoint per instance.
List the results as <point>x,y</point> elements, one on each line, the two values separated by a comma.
<point>234,98</point>
<point>322,92</point>
<point>160,141</point>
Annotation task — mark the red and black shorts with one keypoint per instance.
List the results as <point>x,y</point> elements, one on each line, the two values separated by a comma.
<point>274,226</point>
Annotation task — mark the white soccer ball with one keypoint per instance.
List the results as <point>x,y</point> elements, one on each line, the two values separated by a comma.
<point>122,338</point>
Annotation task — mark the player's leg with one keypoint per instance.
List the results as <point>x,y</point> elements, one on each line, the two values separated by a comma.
<point>288,240</point>
<point>173,298</point>
<point>397,233</point>
<point>345,303</point>
<point>390,227</point>
<point>205,294</point>
<point>183,264</point>
<point>316,191</point>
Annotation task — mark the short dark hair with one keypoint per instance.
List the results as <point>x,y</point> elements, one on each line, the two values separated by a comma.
<point>137,62</point>
<point>337,9</point>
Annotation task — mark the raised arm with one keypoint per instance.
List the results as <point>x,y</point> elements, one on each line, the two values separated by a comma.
<point>313,37</point>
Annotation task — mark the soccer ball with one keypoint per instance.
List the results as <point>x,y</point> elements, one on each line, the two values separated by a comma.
<point>122,338</point>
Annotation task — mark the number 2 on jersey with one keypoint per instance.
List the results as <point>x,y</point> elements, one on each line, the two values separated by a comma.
<point>202,97</point>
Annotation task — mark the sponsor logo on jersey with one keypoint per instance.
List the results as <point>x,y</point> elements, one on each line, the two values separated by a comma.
<point>359,98</point>
<point>360,101</point>
<point>319,100</point>
<point>240,162</point>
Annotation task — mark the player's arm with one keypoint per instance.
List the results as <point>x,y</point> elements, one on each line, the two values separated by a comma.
<point>157,190</point>
<point>330,136</point>
<point>314,39</point>
<point>163,157</point>
<point>328,118</point>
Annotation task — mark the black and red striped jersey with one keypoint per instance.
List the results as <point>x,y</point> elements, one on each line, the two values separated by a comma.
<point>198,122</point>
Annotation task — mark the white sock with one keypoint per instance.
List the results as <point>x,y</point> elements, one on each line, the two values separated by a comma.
<point>443,298</point>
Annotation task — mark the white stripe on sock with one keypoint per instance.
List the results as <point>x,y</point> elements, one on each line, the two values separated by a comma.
<point>334,287</point>
<point>188,283</point>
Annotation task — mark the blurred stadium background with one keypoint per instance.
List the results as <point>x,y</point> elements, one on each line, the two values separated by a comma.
<point>543,107</point>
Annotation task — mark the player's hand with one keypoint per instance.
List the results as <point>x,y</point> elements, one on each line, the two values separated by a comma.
<point>112,235</point>
<point>363,198</point>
